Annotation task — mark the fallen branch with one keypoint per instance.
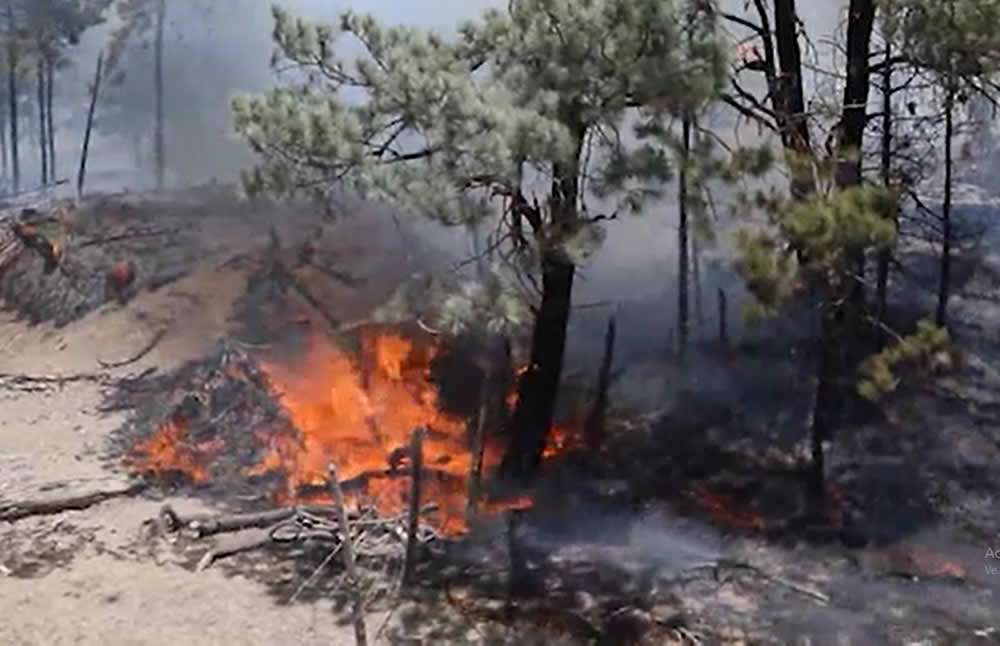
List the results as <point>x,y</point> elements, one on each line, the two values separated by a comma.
<point>14,511</point>
<point>716,567</point>
<point>245,541</point>
<point>146,349</point>
<point>127,235</point>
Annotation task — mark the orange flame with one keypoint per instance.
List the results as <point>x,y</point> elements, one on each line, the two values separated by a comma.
<point>725,511</point>
<point>168,451</point>
<point>358,412</point>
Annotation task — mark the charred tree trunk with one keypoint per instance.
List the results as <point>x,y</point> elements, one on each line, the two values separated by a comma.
<point>594,428</point>
<point>699,305</point>
<point>538,386</point>
<point>4,152</point>
<point>42,123</point>
<point>12,63</point>
<point>836,352</point>
<point>94,91</point>
<point>944,284</point>
<point>50,69</point>
<point>159,143</point>
<point>885,254</point>
<point>861,21</point>
<point>788,95</point>
<point>683,242</point>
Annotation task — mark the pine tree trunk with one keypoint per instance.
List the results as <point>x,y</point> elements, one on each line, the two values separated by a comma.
<point>839,350</point>
<point>854,119</point>
<point>42,121</point>
<point>51,125</point>
<point>94,92</point>
<point>538,387</point>
<point>885,254</point>
<point>683,243</point>
<point>699,305</point>
<point>4,152</point>
<point>160,143</point>
<point>12,63</point>
<point>944,285</point>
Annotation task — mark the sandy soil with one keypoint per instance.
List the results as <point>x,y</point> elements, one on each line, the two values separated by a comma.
<point>88,577</point>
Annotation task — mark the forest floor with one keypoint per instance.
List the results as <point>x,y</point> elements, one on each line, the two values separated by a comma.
<point>647,570</point>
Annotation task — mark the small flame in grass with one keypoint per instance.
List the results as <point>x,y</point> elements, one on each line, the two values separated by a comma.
<point>725,511</point>
<point>167,450</point>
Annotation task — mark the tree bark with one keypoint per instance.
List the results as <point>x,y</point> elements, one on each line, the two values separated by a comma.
<point>538,386</point>
<point>861,21</point>
<point>95,90</point>
<point>12,63</point>
<point>944,285</point>
<point>885,254</point>
<point>42,122</point>
<point>159,143</point>
<point>788,97</point>
<point>683,243</point>
<point>594,428</point>
<point>50,69</point>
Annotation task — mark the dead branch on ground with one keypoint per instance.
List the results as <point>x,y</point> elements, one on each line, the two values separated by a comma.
<point>18,510</point>
<point>146,349</point>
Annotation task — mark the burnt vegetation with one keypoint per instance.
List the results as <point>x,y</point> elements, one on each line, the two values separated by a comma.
<point>796,442</point>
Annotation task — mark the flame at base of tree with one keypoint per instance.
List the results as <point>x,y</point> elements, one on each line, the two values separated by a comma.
<point>356,410</point>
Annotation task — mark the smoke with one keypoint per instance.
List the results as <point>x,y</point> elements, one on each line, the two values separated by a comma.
<point>215,50</point>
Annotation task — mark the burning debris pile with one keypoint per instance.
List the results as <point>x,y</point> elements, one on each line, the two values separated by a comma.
<point>268,427</point>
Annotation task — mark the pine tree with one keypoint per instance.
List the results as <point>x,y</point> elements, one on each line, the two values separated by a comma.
<point>516,102</point>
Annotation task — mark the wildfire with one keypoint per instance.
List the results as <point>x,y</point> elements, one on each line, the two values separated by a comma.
<point>167,450</point>
<point>356,410</point>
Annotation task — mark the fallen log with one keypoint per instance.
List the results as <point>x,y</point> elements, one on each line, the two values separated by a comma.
<point>19,510</point>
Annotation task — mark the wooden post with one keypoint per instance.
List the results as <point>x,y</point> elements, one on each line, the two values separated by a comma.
<point>358,607</point>
<point>94,91</point>
<point>723,320</point>
<point>594,426</point>
<point>416,467</point>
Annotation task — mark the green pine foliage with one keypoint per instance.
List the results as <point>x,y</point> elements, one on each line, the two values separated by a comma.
<point>928,350</point>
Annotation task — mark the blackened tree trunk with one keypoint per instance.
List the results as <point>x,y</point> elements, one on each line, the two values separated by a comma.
<point>683,242</point>
<point>42,122</point>
<point>51,122</point>
<point>789,97</point>
<point>944,284</point>
<point>854,119</point>
<point>538,387</point>
<point>12,65</point>
<point>4,152</point>
<point>885,254</point>
<point>94,92</point>
<point>159,143</point>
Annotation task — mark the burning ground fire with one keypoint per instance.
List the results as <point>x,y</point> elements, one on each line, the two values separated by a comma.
<point>357,411</point>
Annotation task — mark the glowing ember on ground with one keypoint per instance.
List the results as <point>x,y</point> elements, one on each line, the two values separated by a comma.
<point>725,511</point>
